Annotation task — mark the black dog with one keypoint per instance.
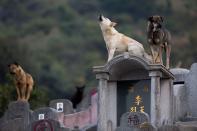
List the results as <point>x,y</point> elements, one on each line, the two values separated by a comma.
<point>159,39</point>
<point>78,96</point>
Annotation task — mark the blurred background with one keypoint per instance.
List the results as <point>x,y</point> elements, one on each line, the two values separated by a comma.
<point>59,41</point>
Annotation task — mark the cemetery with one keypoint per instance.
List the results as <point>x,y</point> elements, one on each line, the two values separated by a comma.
<point>133,94</point>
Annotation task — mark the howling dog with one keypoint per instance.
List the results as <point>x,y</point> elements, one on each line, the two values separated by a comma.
<point>159,38</point>
<point>118,42</point>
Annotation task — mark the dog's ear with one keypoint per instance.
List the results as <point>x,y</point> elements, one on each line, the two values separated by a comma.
<point>9,65</point>
<point>161,19</point>
<point>113,24</point>
<point>150,18</point>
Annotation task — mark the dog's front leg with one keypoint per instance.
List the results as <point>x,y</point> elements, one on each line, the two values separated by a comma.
<point>168,51</point>
<point>18,93</point>
<point>160,54</point>
<point>111,54</point>
<point>23,90</point>
<point>28,91</point>
<point>153,54</point>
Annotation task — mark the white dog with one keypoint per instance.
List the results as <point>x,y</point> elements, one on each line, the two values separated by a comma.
<point>117,42</point>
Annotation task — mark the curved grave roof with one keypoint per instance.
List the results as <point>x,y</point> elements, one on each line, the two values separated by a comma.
<point>130,67</point>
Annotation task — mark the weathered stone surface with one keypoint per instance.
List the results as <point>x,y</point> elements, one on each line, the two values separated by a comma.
<point>169,128</point>
<point>48,113</point>
<point>133,119</point>
<point>187,126</point>
<point>13,125</point>
<point>180,74</point>
<point>146,127</point>
<point>17,117</point>
<point>67,105</point>
<point>191,85</point>
<point>124,129</point>
<point>180,102</point>
<point>18,109</point>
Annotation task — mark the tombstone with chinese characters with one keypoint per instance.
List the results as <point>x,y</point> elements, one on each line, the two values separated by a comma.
<point>131,120</point>
<point>130,83</point>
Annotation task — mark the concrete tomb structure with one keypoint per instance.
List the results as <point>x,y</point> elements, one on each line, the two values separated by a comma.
<point>130,83</point>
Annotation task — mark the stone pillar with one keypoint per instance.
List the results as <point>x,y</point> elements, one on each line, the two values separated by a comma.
<point>155,97</point>
<point>102,101</point>
<point>112,104</point>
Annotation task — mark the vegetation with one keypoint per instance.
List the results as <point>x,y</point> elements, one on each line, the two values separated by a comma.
<point>59,42</point>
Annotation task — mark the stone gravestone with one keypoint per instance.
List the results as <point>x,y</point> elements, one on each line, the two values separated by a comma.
<point>45,113</point>
<point>62,105</point>
<point>180,102</point>
<point>17,117</point>
<point>191,86</point>
<point>131,120</point>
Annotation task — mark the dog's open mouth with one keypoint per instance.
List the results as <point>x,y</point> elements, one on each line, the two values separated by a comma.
<point>12,73</point>
<point>100,17</point>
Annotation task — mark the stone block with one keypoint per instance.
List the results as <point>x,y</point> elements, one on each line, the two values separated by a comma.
<point>13,125</point>
<point>17,117</point>
<point>18,109</point>
<point>180,102</point>
<point>191,86</point>
<point>187,126</point>
<point>180,74</point>
<point>45,113</point>
<point>62,105</point>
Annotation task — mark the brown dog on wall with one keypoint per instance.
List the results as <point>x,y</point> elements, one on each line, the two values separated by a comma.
<point>23,81</point>
<point>159,38</point>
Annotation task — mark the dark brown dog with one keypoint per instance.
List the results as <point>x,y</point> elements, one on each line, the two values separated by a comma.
<point>23,81</point>
<point>159,39</point>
